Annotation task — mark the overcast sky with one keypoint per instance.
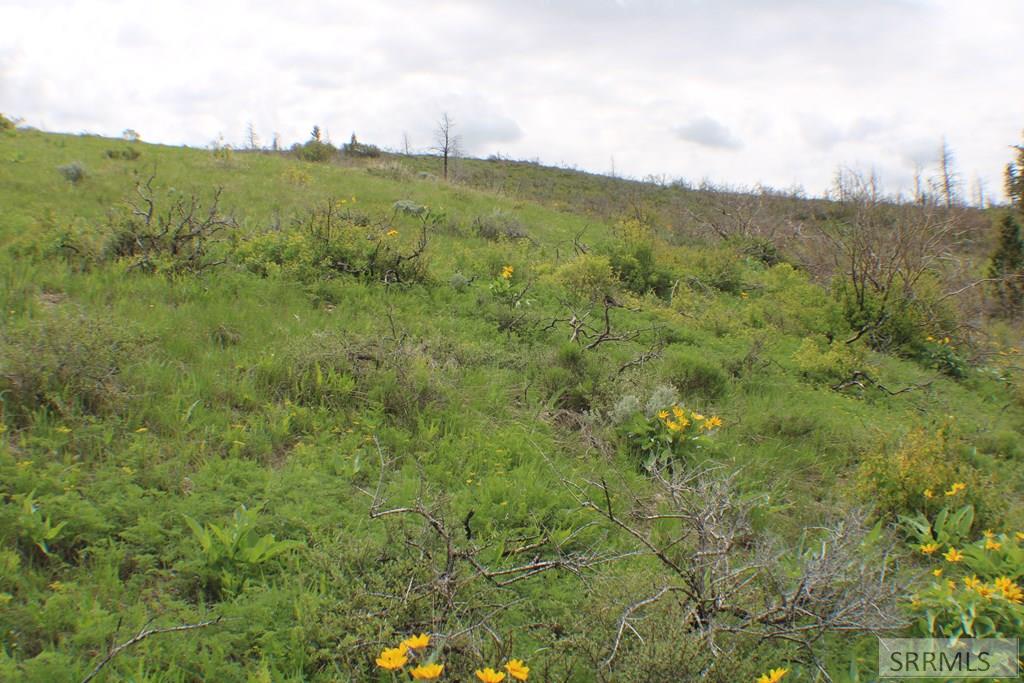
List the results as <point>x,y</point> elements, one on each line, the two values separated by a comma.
<point>780,92</point>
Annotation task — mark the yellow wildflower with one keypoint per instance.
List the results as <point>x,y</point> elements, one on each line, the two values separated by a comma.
<point>1010,590</point>
<point>929,548</point>
<point>988,533</point>
<point>517,670</point>
<point>697,417</point>
<point>392,232</point>
<point>673,425</point>
<point>953,555</point>
<point>662,414</point>
<point>991,544</point>
<point>773,676</point>
<point>971,582</point>
<point>743,295</point>
<point>951,584</point>
<point>677,411</point>
<point>928,493</point>
<point>489,675</point>
<point>64,430</point>
<point>393,658</point>
<point>956,488</point>
<point>427,672</point>
<point>985,591</point>
<point>712,422</point>
<point>937,572</point>
<point>417,642</point>
<point>506,272</point>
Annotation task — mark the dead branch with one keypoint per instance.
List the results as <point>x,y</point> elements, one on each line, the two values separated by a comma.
<point>142,635</point>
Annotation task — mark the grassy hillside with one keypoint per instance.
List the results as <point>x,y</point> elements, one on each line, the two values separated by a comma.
<point>356,403</point>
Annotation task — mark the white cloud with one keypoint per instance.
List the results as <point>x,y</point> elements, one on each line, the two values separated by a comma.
<point>806,85</point>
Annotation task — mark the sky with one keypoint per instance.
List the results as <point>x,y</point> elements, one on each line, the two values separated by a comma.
<point>738,92</point>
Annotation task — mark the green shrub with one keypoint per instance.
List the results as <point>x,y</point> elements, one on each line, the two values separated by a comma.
<point>721,269</point>
<point>67,363</point>
<point>315,151</point>
<point>331,240</point>
<point>820,360</point>
<point>499,225</point>
<point>73,172</point>
<point>694,375</point>
<point>6,123</point>
<point>360,150</point>
<point>314,371</point>
<point>588,278</point>
<point>637,270</point>
<point>124,153</point>
<point>918,473</point>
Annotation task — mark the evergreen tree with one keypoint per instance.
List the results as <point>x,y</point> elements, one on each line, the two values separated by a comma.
<point>1015,179</point>
<point>1008,265</point>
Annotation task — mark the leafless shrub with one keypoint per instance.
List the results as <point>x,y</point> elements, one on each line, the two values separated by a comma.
<point>732,587</point>
<point>174,239</point>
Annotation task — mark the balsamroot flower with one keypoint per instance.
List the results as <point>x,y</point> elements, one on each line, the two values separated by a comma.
<point>991,544</point>
<point>953,555</point>
<point>956,488</point>
<point>773,676</point>
<point>929,548</point>
<point>517,670</point>
<point>427,672</point>
<point>713,422</point>
<point>1010,590</point>
<point>393,658</point>
<point>489,675</point>
<point>506,272</point>
<point>417,642</point>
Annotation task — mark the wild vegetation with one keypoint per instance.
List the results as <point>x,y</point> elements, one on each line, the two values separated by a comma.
<point>344,415</point>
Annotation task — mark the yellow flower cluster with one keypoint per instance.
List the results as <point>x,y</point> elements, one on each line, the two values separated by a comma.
<point>1003,587</point>
<point>677,420</point>
<point>515,668</point>
<point>956,488</point>
<point>773,676</point>
<point>506,272</point>
<point>396,658</point>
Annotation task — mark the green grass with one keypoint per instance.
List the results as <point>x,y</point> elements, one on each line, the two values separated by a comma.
<point>285,396</point>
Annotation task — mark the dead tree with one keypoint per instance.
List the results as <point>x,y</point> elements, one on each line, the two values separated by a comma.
<point>446,142</point>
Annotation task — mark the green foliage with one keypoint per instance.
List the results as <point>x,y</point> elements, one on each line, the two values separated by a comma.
<point>1014,178</point>
<point>6,124</point>
<point>34,528</point>
<point>823,361</point>
<point>693,374</point>
<point>128,153</point>
<point>66,363</point>
<point>232,554</point>
<point>948,528</point>
<point>333,240</point>
<point>315,151</point>
<point>588,278</point>
<point>302,367</point>
<point>73,172</point>
<point>920,471</point>
<point>358,150</point>
<point>721,269</point>
<point>499,225</point>
<point>670,434</point>
<point>1008,265</point>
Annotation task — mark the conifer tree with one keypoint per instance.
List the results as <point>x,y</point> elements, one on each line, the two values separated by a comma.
<point>1008,266</point>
